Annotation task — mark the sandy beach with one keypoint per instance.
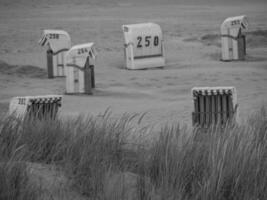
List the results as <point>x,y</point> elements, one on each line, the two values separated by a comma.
<point>192,52</point>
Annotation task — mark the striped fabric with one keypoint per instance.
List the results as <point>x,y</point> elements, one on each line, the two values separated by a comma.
<point>44,106</point>
<point>212,90</point>
<point>45,100</point>
<point>43,40</point>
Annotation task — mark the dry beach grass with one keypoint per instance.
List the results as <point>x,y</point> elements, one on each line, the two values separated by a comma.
<point>94,158</point>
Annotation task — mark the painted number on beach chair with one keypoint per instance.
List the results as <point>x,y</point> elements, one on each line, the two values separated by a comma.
<point>235,22</point>
<point>149,40</point>
<point>22,101</point>
<point>53,36</point>
<point>82,51</point>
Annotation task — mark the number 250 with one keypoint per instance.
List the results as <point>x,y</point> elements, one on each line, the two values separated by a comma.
<point>53,36</point>
<point>147,41</point>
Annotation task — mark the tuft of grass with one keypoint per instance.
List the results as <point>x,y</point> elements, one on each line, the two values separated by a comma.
<point>221,164</point>
<point>228,163</point>
<point>85,147</point>
<point>98,146</point>
<point>14,182</point>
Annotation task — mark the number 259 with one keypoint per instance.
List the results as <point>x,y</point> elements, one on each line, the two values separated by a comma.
<point>82,51</point>
<point>147,41</point>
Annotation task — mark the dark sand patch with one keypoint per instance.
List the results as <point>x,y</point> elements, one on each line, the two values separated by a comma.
<point>255,39</point>
<point>22,70</point>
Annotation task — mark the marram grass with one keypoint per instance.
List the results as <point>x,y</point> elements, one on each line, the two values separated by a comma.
<point>229,163</point>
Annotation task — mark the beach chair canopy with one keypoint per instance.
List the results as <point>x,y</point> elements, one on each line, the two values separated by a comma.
<point>146,39</point>
<point>57,40</point>
<point>238,23</point>
<point>34,105</point>
<point>78,54</point>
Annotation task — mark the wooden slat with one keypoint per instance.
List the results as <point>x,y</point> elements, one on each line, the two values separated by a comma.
<point>34,109</point>
<point>230,107</point>
<point>213,109</point>
<point>46,108</point>
<point>219,109</point>
<point>92,67</point>
<point>207,110</point>
<point>196,110</point>
<point>87,78</point>
<point>42,111</point>
<point>49,57</point>
<point>224,108</point>
<point>52,110</point>
<point>29,111</point>
<point>76,78</point>
<point>202,110</point>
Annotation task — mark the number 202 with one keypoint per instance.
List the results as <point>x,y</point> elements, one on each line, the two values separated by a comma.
<point>22,101</point>
<point>147,41</point>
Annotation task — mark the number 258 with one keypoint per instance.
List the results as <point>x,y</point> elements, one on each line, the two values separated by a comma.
<point>148,41</point>
<point>53,36</point>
